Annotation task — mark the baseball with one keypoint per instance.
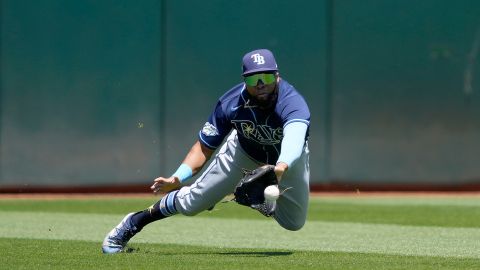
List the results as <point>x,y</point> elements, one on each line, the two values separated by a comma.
<point>271,193</point>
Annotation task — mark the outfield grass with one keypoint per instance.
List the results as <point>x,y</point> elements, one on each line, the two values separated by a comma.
<point>342,232</point>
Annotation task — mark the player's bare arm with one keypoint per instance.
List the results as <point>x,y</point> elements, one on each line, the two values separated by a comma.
<point>195,159</point>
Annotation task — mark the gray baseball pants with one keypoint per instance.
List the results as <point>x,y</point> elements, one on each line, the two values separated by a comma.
<point>225,171</point>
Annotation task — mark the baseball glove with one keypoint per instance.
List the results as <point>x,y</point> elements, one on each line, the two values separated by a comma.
<point>249,191</point>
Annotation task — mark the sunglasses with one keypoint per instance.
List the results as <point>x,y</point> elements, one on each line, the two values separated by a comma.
<point>266,78</point>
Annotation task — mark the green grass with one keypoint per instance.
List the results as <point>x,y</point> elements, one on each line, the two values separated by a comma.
<point>342,232</point>
<point>48,254</point>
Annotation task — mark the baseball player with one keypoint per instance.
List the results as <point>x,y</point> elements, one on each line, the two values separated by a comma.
<point>263,120</point>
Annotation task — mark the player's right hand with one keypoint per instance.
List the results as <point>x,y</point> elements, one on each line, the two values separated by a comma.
<point>164,185</point>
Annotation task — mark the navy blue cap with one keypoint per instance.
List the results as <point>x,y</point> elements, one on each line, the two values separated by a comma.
<point>259,60</point>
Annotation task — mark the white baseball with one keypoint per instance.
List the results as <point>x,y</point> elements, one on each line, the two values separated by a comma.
<point>271,193</point>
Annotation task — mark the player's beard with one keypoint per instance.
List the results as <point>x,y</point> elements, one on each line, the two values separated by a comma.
<point>267,101</point>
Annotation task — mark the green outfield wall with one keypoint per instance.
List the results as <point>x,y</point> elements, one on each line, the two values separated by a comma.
<point>114,91</point>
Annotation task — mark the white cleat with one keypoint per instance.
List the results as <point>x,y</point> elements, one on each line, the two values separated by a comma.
<point>118,237</point>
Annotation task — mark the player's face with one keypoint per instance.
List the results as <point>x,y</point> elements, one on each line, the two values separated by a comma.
<point>262,88</point>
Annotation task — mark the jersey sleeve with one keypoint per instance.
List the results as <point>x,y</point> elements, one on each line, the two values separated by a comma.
<point>215,129</point>
<point>293,142</point>
<point>295,109</point>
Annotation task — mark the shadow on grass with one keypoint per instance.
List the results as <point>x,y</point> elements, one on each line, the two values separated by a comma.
<point>229,253</point>
<point>256,253</point>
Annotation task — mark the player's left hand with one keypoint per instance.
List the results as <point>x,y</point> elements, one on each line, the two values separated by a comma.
<point>164,185</point>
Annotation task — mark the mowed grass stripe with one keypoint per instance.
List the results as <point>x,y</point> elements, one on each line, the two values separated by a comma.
<point>245,233</point>
<point>385,199</point>
<point>445,211</point>
<point>415,215</point>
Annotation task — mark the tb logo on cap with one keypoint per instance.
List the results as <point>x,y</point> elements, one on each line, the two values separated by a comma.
<point>257,58</point>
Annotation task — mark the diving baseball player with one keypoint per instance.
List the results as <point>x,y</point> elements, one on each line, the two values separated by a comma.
<point>263,120</point>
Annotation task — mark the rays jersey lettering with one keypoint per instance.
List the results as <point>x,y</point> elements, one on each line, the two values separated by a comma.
<point>262,134</point>
<point>259,133</point>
